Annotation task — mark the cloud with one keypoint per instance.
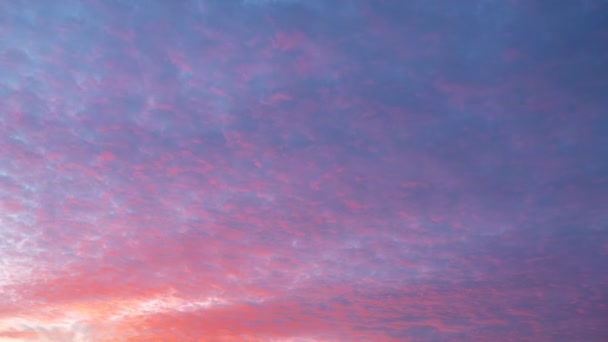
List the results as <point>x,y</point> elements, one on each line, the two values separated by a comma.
<point>364,170</point>
<point>45,331</point>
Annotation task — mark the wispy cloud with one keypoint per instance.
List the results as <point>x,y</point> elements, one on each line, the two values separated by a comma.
<point>302,171</point>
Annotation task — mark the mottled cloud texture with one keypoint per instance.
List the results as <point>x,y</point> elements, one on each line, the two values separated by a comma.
<point>299,171</point>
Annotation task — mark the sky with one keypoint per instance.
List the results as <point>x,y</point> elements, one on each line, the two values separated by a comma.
<point>303,170</point>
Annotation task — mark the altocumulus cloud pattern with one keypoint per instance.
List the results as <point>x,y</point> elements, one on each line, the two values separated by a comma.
<point>303,170</point>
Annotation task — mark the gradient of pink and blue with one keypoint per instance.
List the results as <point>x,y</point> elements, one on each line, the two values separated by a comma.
<point>303,170</point>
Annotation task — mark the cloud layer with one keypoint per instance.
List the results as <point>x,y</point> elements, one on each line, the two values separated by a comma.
<point>303,171</point>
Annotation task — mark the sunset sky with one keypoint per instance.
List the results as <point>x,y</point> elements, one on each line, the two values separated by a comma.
<point>303,170</point>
